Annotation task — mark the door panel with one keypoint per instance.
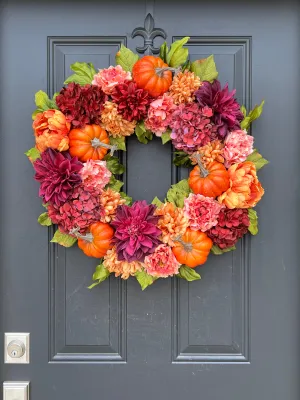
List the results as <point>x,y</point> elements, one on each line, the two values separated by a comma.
<point>231,335</point>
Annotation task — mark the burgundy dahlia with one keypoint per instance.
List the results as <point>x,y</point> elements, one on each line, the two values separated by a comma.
<point>81,104</point>
<point>136,233</point>
<point>132,102</point>
<point>80,211</point>
<point>226,110</point>
<point>191,127</point>
<point>58,174</point>
<point>232,225</point>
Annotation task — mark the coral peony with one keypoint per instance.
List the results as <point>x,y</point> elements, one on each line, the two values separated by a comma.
<point>114,123</point>
<point>110,77</point>
<point>238,146</point>
<point>172,222</point>
<point>58,175</point>
<point>226,110</point>
<point>120,267</point>
<point>232,225</point>
<point>132,102</point>
<point>245,189</point>
<point>191,127</point>
<point>51,131</point>
<point>160,114</point>
<point>80,211</point>
<point>136,233</point>
<point>162,263</point>
<point>212,151</point>
<point>110,200</point>
<point>95,175</point>
<point>81,105</point>
<point>202,212</point>
<point>183,87</point>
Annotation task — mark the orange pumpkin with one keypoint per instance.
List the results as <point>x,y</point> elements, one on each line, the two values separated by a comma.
<point>150,73</point>
<point>90,142</point>
<point>97,241</point>
<point>210,182</point>
<point>192,248</point>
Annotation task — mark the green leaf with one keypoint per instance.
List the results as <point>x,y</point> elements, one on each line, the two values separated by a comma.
<point>181,159</point>
<point>205,69</point>
<point>44,219</point>
<point>114,165</point>
<point>115,184</point>
<point>257,160</point>
<point>127,198</point>
<point>186,66</point>
<point>187,273</point>
<point>252,116</point>
<point>43,103</point>
<point>84,73</point>
<point>244,111</point>
<point>217,251</point>
<point>253,227</point>
<point>143,135</point>
<point>100,275</point>
<point>33,154</point>
<point>126,58</point>
<point>163,51</point>
<point>63,239</point>
<point>118,141</point>
<point>144,279</point>
<point>166,137</point>
<point>157,202</point>
<point>178,192</point>
<point>178,54</point>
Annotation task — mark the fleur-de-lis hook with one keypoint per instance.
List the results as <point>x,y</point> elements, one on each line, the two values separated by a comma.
<point>149,33</point>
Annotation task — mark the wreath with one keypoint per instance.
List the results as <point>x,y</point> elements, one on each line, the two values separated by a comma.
<point>82,129</point>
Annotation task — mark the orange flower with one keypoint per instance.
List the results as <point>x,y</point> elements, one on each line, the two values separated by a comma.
<point>123,268</point>
<point>51,130</point>
<point>183,87</point>
<point>245,189</point>
<point>110,200</point>
<point>212,151</point>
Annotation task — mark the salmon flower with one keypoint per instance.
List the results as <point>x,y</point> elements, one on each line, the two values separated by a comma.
<point>245,190</point>
<point>51,130</point>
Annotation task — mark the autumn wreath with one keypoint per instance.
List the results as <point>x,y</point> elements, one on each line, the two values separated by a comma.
<point>81,129</point>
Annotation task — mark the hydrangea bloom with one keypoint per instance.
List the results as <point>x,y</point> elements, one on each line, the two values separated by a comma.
<point>238,146</point>
<point>121,268</point>
<point>95,175</point>
<point>162,263</point>
<point>202,212</point>
<point>110,77</point>
<point>160,114</point>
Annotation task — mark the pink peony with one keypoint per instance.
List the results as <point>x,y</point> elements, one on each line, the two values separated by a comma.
<point>160,114</point>
<point>110,77</point>
<point>202,212</point>
<point>95,175</point>
<point>238,146</point>
<point>162,263</point>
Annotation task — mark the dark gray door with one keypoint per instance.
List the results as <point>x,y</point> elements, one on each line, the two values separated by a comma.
<point>233,335</point>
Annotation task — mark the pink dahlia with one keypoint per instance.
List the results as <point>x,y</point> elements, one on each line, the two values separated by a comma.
<point>80,211</point>
<point>95,175</point>
<point>232,225</point>
<point>162,263</point>
<point>136,233</point>
<point>160,114</point>
<point>58,174</point>
<point>191,127</point>
<point>202,212</point>
<point>238,146</point>
<point>110,77</point>
<point>226,110</point>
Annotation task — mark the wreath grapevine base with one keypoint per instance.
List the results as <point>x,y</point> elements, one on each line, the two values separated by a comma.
<point>79,131</point>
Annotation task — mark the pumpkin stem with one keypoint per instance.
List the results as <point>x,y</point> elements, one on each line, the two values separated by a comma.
<point>188,247</point>
<point>160,71</point>
<point>204,173</point>
<point>95,142</point>
<point>88,237</point>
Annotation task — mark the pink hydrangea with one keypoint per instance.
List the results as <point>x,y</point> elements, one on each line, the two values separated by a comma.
<point>110,77</point>
<point>95,175</point>
<point>162,263</point>
<point>160,114</point>
<point>238,146</point>
<point>202,212</point>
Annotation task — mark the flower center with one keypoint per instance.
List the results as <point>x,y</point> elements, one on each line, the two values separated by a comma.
<point>133,230</point>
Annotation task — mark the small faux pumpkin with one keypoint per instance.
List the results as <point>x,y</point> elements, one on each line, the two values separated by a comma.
<point>88,143</point>
<point>97,241</point>
<point>211,181</point>
<point>192,248</point>
<point>152,74</point>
